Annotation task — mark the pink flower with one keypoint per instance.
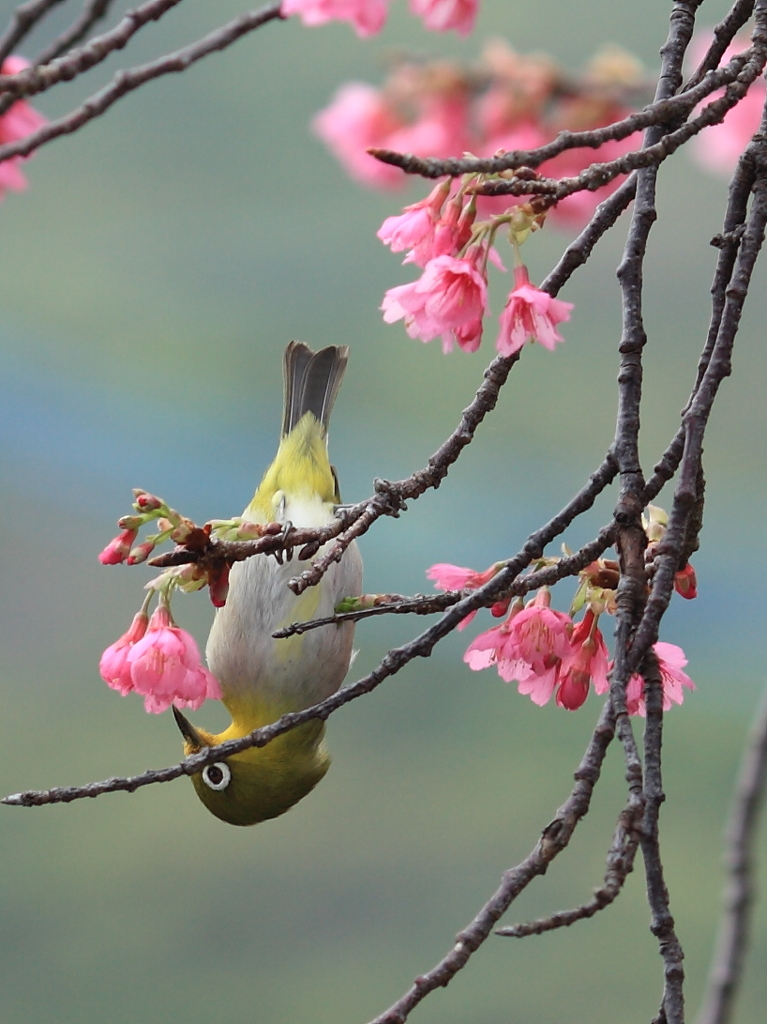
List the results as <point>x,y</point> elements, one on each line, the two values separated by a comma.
<point>528,647</point>
<point>671,661</point>
<point>367,16</point>
<point>442,15</point>
<point>16,123</point>
<point>450,295</point>
<point>415,225</point>
<point>530,315</point>
<point>113,666</point>
<point>587,661</point>
<point>360,117</point>
<point>165,667</point>
<point>454,577</point>
<point>118,549</point>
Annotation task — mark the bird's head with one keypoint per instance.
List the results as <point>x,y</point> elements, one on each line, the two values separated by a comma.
<point>261,782</point>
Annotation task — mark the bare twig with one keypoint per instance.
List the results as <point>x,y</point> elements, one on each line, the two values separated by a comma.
<point>723,35</point>
<point>555,838</point>
<point>729,958</point>
<point>38,79</point>
<point>92,13</point>
<point>132,78</point>
<point>620,863</point>
<point>23,20</point>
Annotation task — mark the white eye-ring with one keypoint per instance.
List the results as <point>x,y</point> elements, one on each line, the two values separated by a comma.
<point>217,776</point>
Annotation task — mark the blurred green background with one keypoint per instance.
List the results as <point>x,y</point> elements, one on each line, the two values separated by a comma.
<point>149,280</point>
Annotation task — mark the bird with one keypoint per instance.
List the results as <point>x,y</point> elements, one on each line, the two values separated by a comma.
<point>262,678</point>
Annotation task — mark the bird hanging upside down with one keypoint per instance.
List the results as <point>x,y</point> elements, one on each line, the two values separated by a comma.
<point>262,678</point>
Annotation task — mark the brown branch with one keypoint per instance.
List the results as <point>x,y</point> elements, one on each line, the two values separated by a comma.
<point>723,35</point>
<point>23,20</point>
<point>396,659</point>
<point>620,864</point>
<point>728,962</point>
<point>554,839</point>
<point>92,13</point>
<point>132,78</point>
<point>38,79</point>
<point>420,604</point>
<point>668,110</point>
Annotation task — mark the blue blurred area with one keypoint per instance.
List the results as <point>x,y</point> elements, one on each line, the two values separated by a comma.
<point>149,280</point>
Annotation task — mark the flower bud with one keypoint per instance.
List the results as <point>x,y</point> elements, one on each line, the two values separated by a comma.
<point>141,552</point>
<point>147,502</point>
<point>686,582</point>
<point>117,550</point>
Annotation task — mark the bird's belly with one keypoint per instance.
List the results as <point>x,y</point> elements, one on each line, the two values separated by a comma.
<point>274,676</point>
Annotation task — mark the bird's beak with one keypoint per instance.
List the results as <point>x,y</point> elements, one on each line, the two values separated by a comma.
<point>187,730</point>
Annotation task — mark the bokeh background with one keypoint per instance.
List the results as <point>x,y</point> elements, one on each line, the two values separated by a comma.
<point>149,280</point>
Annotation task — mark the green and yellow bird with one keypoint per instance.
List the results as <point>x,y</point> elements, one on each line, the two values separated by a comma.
<point>262,678</point>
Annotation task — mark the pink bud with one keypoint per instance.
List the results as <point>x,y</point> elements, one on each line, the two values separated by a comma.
<point>117,550</point>
<point>141,552</point>
<point>686,582</point>
<point>146,501</point>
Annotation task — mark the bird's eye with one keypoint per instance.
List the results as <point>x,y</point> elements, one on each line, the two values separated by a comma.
<point>217,776</point>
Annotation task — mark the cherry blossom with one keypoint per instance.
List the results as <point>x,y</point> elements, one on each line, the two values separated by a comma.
<point>165,667</point>
<point>360,117</point>
<point>671,661</point>
<point>367,16</point>
<point>530,315</point>
<point>449,299</point>
<point>587,662</point>
<point>443,15</point>
<point>19,120</point>
<point>113,666</point>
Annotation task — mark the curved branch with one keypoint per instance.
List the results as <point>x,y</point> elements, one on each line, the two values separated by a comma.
<point>664,112</point>
<point>554,839</point>
<point>132,78</point>
<point>729,958</point>
<point>23,20</point>
<point>92,13</point>
<point>620,864</point>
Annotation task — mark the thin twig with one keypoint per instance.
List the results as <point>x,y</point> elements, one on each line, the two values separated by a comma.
<point>728,963</point>
<point>620,863</point>
<point>132,78</point>
<point>23,20</point>
<point>554,839</point>
<point>668,110</point>
<point>92,13</point>
<point>37,79</point>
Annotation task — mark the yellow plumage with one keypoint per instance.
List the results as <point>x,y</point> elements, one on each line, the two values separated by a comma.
<point>262,678</point>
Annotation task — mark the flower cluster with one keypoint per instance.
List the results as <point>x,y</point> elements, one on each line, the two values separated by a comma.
<point>16,123</point>
<point>160,661</point>
<point>156,658</point>
<point>450,298</point>
<point>547,653</point>
<point>369,16</point>
<point>509,102</point>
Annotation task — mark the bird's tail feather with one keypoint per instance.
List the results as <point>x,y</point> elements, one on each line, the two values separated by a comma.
<point>311,382</point>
